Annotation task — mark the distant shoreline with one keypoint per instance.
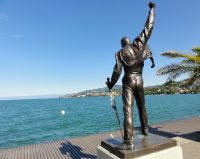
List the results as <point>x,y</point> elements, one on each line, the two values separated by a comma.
<point>30,97</point>
<point>164,89</point>
<point>120,95</point>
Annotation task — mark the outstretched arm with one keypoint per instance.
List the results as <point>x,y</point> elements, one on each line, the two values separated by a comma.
<point>143,37</point>
<point>116,72</point>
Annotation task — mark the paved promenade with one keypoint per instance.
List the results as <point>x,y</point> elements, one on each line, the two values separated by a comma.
<point>186,132</point>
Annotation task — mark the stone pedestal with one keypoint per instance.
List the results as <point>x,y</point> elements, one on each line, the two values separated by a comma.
<point>146,147</point>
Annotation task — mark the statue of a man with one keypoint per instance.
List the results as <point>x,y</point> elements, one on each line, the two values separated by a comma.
<point>131,57</point>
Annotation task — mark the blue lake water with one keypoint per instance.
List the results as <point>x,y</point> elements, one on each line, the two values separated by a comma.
<point>34,121</point>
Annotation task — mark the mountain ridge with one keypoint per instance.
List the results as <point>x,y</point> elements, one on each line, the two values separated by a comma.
<point>166,88</point>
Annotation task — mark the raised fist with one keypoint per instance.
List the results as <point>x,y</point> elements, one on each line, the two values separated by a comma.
<point>152,5</point>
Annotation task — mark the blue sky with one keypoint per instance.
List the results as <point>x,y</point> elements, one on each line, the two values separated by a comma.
<point>65,46</point>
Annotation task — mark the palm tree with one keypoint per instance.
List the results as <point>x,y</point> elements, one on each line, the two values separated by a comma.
<point>190,64</point>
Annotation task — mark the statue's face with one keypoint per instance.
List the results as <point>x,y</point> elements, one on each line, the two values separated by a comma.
<point>125,41</point>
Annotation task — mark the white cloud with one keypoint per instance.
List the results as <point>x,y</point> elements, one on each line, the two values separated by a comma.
<point>16,36</point>
<point>3,16</point>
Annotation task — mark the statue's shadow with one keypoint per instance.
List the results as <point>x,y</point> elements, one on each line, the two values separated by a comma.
<point>74,151</point>
<point>195,136</point>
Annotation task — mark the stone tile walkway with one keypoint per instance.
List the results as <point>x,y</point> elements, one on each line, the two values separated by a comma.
<point>186,132</point>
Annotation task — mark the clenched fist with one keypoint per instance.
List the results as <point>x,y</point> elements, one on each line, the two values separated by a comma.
<point>152,5</point>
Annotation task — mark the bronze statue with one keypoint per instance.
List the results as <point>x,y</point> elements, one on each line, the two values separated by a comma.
<point>131,57</point>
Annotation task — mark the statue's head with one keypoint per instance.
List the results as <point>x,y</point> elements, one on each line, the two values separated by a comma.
<point>125,41</point>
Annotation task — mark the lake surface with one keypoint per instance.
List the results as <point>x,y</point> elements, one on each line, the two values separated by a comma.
<point>34,121</point>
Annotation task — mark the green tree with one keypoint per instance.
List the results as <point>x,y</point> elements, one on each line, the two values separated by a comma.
<point>190,64</point>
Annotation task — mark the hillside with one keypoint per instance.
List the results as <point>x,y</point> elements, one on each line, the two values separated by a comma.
<point>166,88</point>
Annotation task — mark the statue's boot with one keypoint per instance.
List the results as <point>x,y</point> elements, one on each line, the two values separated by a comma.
<point>145,131</point>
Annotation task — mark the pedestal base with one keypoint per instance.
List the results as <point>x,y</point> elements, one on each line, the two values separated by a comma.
<point>146,147</point>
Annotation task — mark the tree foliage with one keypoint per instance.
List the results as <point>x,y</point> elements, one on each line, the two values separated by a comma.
<point>190,64</point>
